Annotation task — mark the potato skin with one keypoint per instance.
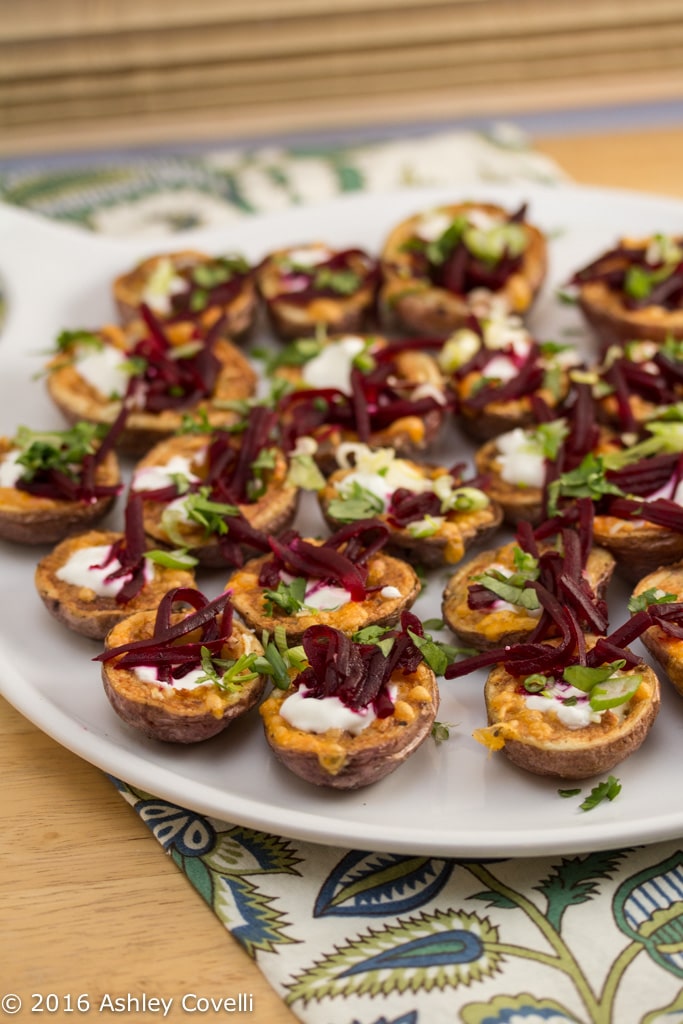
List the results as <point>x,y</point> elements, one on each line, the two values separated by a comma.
<point>613,321</point>
<point>171,714</point>
<point>272,513</point>
<point>80,608</point>
<point>28,519</point>
<point>446,547</point>
<point>341,314</point>
<point>413,305</point>
<point>78,400</point>
<point>239,313</point>
<point>488,629</point>
<point>339,760</point>
<point>638,547</point>
<point>519,504</point>
<point>537,742</point>
<point>408,435</point>
<point>666,649</point>
<point>247,599</point>
<point>495,418</point>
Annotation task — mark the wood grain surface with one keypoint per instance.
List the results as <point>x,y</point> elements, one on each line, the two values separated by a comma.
<point>89,902</point>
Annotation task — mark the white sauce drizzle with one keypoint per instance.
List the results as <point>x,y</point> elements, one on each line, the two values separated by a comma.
<point>520,460</point>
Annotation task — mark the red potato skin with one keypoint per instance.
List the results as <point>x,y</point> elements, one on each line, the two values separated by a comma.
<point>28,519</point>
<point>538,743</point>
<point>175,715</point>
<point>239,313</point>
<point>78,400</point>
<point>338,760</point>
<point>413,305</point>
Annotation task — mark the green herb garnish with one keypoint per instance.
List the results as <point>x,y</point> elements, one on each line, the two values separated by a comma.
<point>641,602</point>
<point>59,450</point>
<point>607,790</point>
<point>289,597</point>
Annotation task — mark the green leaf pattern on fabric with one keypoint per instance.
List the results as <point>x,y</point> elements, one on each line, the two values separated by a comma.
<point>335,931</point>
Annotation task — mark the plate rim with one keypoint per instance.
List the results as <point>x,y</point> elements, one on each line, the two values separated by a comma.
<point>164,784</point>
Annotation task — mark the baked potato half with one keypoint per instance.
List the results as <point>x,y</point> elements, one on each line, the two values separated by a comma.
<point>502,622</point>
<point>357,729</point>
<point>72,582</point>
<point>159,680</point>
<point>338,582</point>
<point>192,498</point>
<point>547,735</point>
<point>634,290</point>
<point>665,646</point>
<point>54,484</point>
<point>396,399</point>
<point>191,285</point>
<point>162,373</point>
<point>441,265</point>
<point>310,286</point>
<point>432,516</point>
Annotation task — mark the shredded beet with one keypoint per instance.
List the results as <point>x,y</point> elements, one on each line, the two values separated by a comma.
<point>528,658</point>
<point>358,673</point>
<point>79,483</point>
<point>406,506</point>
<point>347,568</point>
<point>561,572</point>
<point>230,275</point>
<point>311,284</point>
<point>528,379</point>
<point>210,625</point>
<point>660,512</point>
<point>129,551</point>
<point>171,382</point>
<point>613,268</point>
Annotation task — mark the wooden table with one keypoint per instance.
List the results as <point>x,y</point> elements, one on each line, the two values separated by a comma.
<point>88,900</point>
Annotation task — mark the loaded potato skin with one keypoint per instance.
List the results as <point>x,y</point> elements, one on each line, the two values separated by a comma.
<point>433,278</point>
<point>538,741</point>
<point>340,760</point>
<point>357,710</point>
<point>184,708</point>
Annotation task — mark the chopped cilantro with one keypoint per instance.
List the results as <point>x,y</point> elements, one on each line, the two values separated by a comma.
<point>60,450</point>
<point>356,503</point>
<point>343,282</point>
<point>441,731</point>
<point>607,790</point>
<point>289,597</point>
<point>641,602</point>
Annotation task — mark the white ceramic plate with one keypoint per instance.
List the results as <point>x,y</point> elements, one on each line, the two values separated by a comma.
<point>450,799</point>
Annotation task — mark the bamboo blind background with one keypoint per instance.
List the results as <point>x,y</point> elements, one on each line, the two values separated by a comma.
<point>77,73</point>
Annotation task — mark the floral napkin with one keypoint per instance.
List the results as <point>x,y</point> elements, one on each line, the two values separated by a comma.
<point>351,937</point>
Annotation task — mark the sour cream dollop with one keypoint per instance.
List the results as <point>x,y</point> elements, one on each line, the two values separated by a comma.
<point>85,568</point>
